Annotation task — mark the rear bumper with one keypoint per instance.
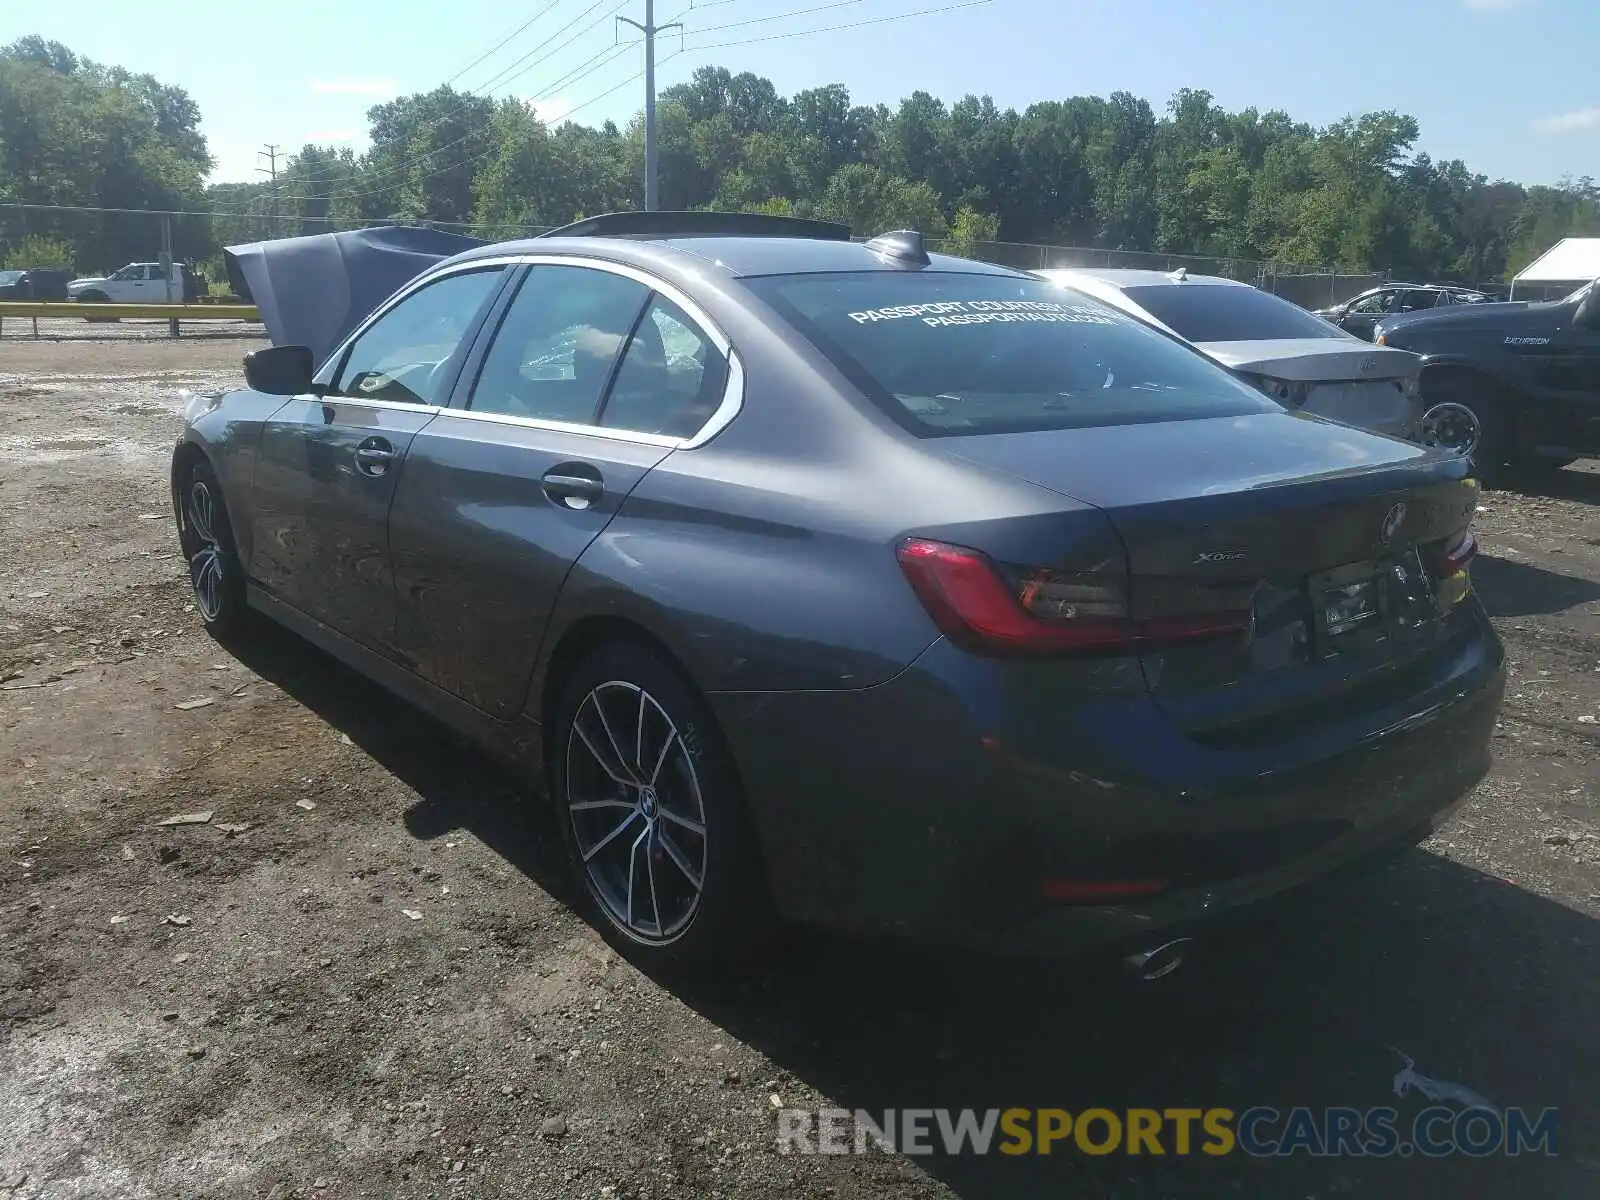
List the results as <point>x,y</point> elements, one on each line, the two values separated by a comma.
<point>937,805</point>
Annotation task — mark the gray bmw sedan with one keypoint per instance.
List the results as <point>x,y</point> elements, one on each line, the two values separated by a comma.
<point>849,584</point>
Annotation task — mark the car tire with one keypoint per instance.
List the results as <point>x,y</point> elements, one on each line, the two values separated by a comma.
<point>647,798</point>
<point>1462,396</point>
<point>206,537</point>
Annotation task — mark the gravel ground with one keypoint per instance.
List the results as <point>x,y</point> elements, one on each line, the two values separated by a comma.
<point>359,977</point>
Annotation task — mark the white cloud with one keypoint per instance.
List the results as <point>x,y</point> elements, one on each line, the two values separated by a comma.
<point>1583,118</point>
<point>552,110</point>
<point>1496,5</point>
<point>324,137</point>
<point>377,88</point>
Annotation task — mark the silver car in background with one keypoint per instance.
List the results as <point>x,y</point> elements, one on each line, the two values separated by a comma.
<point>1292,355</point>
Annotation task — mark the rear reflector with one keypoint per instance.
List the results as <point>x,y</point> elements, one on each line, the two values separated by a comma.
<point>1101,891</point>
<point>1457,558</point>
<point>976,605</point>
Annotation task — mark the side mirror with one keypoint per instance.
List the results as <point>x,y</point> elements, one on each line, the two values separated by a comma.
<point>279,370</point>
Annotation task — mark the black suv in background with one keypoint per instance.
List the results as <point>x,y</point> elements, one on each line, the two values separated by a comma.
<point>35,283</point>
<point>1359,314</point>
<point>1514,384</point>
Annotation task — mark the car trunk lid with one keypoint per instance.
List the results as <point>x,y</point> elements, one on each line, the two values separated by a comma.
<point>1337,360</point>
<point>1329,542</point>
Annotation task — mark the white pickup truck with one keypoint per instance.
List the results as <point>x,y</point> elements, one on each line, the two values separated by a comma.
<point>137,283</point>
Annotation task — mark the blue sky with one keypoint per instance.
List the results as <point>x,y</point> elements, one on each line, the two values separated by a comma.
<point>1511,86</point>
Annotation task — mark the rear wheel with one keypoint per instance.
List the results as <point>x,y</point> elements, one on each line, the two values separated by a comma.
<point>1461,413</point>
<point>652,814</point>
<point>207,541</point>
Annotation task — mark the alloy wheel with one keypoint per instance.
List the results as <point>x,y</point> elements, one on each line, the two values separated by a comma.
<point>207,563</point>
<point>638,817</point>
<point>1452,426</point>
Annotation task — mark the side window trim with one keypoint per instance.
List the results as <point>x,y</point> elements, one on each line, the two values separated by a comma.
<point>622,357</point>
<point>488,327</point>
<point>334,364</point>
<point>527,273</point>
<point>477,338</point>
<point>459,396</point>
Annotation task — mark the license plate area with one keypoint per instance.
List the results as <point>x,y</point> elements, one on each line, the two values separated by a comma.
<point>1350,606</point>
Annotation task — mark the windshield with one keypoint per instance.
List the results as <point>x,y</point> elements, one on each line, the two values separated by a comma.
<point>9,277</point>
<point>960,353</point>
<point>1220,312</point>
<point>1575,297</point>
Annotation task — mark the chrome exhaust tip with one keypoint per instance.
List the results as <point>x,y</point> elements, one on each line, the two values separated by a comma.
<point>1150,965</point>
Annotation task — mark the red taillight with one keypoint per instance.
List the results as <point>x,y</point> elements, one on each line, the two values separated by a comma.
<point>975,605</point>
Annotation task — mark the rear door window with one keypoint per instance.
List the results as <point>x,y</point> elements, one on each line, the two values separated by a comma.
<point>949,353</point>
<point>558,344</point>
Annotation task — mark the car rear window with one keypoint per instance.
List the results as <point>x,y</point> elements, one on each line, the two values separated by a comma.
<point>1217,312</point>
<point>957,353</point>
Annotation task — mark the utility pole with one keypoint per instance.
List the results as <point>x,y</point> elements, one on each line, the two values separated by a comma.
<point>166,267</point>
<point>270,153</point>
<point>650,29</point>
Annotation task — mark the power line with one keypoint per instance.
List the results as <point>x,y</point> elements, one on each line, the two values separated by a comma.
<point>494,149</point>
<point>783,16</point>
<point>390,175</point>
<point>609,57</point>
<point>492,50</point>
<point>773,37</point>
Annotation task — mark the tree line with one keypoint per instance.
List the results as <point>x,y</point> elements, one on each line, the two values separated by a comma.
<point>1109,172</point>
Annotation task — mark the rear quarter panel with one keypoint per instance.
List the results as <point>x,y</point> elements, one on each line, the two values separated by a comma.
<point>765,559</point>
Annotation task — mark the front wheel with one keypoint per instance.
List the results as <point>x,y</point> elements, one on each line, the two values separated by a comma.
<point>652,814</point>
<point>207,541</point>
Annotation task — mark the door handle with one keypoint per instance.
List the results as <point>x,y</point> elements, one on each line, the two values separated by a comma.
<point>573,485</point>
<point>373,456</point>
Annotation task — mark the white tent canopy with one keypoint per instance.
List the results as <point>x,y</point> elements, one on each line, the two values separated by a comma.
<point>1573,261</point>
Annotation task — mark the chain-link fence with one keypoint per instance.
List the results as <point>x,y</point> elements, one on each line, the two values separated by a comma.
<point>96,241</point>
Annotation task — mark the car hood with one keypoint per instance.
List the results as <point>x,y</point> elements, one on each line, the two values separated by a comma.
<point>1187,458</point>
<point>87,281</point>
<point>312,291</point>
<point>1314,359</point>
<point>1509,314</point>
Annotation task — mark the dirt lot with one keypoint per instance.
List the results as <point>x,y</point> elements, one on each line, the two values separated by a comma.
<point>359,979</point>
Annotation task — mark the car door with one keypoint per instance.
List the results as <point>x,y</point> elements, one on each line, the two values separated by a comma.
<point>328,463</point>
<point>593,376</point>
<point>1563,363</point>
<point>146,287</point>
<point>1362,317</point>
